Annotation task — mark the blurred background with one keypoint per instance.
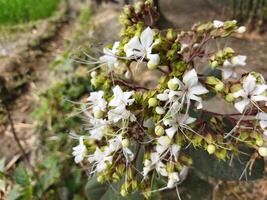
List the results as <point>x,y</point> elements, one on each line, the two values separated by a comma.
<point>39,81</point>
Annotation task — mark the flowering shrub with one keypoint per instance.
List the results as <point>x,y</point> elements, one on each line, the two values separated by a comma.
<point>138,135</point>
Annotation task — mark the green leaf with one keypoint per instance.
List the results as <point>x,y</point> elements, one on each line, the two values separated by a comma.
<point>193,188</point>
<point>210,166</point>
<point>20,176</point>
<point>14,193</point>
<point>95,190</point>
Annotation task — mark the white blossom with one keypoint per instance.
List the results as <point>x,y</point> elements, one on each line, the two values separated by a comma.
<point>142,47</point>
<point>154,163</point>
<point>96,101</point>
<point>251,92</point>
<point>173,179</point>
<point>99,128</point>
<point>229,67</point>
<point>100,159</point>
<point>79,151</point>
<point>109,56</point>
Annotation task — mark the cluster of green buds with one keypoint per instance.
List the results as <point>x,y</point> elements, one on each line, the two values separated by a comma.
<point>138,133</point>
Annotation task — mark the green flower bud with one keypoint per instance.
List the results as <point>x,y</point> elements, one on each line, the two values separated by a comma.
<point>172,84</point>
<point>171,34</point>
<point>211,149</point>
<point>125,143</point>
<point>152,102</point>
<point>214,64</point>
<point>151,65</point>
<point>123,193</point>
<point>259,142</point>
<point>98,114</point>
<point>229,97</point>
<point>134,185</point>
<point>100,178</point>
<point>262,151</point>
<point>219,87</point>
<point>159,130</point>
<point>94,82</point>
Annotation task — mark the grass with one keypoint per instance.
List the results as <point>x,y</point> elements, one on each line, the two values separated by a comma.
<point>22,11</point>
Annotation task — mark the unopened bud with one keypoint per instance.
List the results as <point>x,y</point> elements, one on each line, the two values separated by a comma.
<point>229,98</point>
<point>211,149</point>
<point>219,87</point>
<point>159,130</point>
<point>171,35</point>
<point>98,114</point>
<point>125,143</point>
<point>152,102</point>
<point>151,65</point>
<point>214,64</point>
<point>172,84</point>
<point>93,74</point>
<point>259,142</point>
<point>124,193</point>
<point>262,151</point>
<point>241,29</point>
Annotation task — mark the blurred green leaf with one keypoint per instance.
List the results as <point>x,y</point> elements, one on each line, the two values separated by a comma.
<point>20,176</point>
<point>14,193</point>
<point>210,166</point>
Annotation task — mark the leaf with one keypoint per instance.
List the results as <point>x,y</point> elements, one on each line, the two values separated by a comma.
<point>20,176</point>
<point>193,188</point>
<point>213,72</point>
<point>209,165</point>
<point>95,190</point>
<point>14,193</point>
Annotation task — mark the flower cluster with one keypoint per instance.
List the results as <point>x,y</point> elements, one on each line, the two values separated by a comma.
<point>136,132</point>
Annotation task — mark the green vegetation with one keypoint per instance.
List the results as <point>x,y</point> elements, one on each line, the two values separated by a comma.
<point>21,11</point>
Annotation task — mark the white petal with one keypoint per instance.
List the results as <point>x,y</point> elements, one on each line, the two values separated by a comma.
<point>134,48</point>
<point>190,78</point>
<point>239,60</point>
<point>263,124</point>
<point>227,73</point>
<point>198,90</point>
<point>154,58</point>
<point>259,98</point>
<point>227,63</point>
<point>163,97</point>
<point>259,89</point>
<point>171,131</point>
<point>160,110</point>
<point>241,105</point>
<point>249,83</point>
<point>147,37</point>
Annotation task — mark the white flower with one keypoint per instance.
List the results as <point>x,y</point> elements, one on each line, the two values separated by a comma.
<point>191,88</point>
<point>96,101</point>
<point>120,113</point>
<point>251,92</point>
<point>154,163</point>
<point>121,98</point>
<point>262,117</point>
<point>173,179</point>
<point>142,47</point>
<point>116,144</point>
<point>79,151</point>
<point>218,24</point>
<point>100,159</point>
<point>109,56</point>
<point>99,128</point>
<point>176,122</point>
<point>228,68</point>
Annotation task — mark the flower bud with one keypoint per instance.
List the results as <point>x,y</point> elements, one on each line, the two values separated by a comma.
<point>100,178</point>
<point>262,151</point>
<point>127,74</point>
<point>211,149</point>
<point>172,84</point>
<point>159,130</point>
<point>93,74</point>
<point>98,114</point>
<point>123,192</point>
<point>241,29</point>
<point>151,65</point>
<point>125,143</point>
<point>259,142</point>
<point>229,98</point>
<point>219,87</point>
<point>152,102</point>
<point>94,81</point>
<point>160,110</point>
<point>171,34</point>
<point>214,64</point>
